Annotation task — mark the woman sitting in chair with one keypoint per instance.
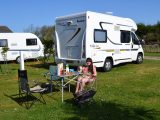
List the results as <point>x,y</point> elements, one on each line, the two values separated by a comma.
<point>89,74</point>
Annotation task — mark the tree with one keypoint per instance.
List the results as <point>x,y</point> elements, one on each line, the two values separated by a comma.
<point>151,33</point>
<point>4,54</point>
<point>46,35</point>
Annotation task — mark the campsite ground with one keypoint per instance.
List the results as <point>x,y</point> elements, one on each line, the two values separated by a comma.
<point>129,92</point>
<point>152,56</point>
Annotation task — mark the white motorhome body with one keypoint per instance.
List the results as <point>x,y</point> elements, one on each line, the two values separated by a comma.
<point>28,43</point>
<point>107,39</point>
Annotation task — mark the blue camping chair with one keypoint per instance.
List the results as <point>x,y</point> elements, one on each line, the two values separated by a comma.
<point>51,75</point>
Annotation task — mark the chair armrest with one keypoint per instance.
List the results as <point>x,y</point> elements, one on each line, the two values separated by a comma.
<point>33,82</point>
<point>46,75</point>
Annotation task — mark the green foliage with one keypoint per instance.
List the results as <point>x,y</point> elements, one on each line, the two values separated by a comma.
<point>157,54</point>
<point>46,35</point>
<point>151,33</point>
<point>4,50</point>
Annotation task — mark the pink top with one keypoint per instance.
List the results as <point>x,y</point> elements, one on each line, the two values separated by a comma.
<point>85,69</point>
<point>92,76</point>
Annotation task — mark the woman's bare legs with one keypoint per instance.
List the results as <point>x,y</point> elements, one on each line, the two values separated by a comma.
<point>84,81</point>
<point>78,87</point>
<point>81,82</point>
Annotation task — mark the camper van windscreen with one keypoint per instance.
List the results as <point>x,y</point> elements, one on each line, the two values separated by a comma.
<point>3,43</point>
<point>31,42</point>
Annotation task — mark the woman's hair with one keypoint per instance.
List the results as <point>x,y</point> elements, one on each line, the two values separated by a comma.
<point>90,67</point>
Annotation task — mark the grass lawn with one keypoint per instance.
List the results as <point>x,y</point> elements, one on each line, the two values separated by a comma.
<point>151,54</point>
<point>128,92</point>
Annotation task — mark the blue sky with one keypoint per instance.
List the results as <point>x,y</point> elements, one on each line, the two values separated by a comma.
<point>20,14</point>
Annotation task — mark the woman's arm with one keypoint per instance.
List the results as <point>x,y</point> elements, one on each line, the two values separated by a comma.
<point>94,71</point>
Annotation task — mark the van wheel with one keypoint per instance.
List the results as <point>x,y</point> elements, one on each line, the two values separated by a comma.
<point>107,65</point>
<point>139,59</point>
<point>18,59</point>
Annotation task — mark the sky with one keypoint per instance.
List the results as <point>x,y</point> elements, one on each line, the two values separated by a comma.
<point>19,15</point>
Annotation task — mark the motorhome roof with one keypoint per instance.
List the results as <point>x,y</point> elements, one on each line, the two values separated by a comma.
<point>84,13</point>
<point>115,19</point>
<point>71,15</point>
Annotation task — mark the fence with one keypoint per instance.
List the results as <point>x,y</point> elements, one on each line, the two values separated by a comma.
<point>151,48</point>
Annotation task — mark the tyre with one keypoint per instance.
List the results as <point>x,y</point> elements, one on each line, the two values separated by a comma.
<point>107,65</point>
<point>18,59</point>
<point>139,59</point>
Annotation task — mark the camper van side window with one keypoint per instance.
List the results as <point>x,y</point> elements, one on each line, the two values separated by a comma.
<point>100,36</point>
<point>125,36</point>
<point>135,39</point>
<point>31,42</point>
<point>3,43</point>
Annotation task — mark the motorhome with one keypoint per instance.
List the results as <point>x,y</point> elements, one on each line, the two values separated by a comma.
<point>109,40</point>
<point>27,43</point>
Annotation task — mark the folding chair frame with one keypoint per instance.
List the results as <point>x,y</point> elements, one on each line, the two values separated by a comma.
<point>26,93</point>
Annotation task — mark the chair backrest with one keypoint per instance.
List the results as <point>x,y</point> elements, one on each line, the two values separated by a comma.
<point>53,72</point>
<point>23,80</point>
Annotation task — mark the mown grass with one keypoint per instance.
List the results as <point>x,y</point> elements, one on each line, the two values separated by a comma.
<point>129,92</point>
<point>152,54</point>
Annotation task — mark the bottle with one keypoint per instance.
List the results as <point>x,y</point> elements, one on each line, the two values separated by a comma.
<point>67,68</point>
<point>80,69</point>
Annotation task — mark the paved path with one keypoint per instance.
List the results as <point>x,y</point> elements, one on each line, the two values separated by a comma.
<point>152,57</point>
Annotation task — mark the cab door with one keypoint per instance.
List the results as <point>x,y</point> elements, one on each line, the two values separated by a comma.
<point>135,46</point>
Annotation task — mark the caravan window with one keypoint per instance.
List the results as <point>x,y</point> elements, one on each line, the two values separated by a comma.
<point>135,39</point>
<point>100,36</point>
<point>31,41</point>
<point>125,36</point>
<point>3,43</point>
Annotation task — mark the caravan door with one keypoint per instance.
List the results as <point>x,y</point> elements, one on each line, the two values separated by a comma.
<point>125,51</point>
<point>3,43</point>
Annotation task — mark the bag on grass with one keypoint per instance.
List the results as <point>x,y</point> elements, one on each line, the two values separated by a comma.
<point>84,96</point>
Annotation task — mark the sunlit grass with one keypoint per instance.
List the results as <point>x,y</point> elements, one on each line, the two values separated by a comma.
<point>129,92</point>
<point>152,54</point>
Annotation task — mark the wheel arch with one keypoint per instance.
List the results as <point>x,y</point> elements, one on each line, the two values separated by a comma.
<point>110,58</point>
<point>141,54</point>
<point>107,67</point>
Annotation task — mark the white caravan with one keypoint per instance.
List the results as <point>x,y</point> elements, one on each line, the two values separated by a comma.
<point>107,39</point>
<point>28,43</point>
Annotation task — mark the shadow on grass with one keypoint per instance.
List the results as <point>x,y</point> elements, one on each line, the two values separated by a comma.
<point>109,111</point>
<point>41,65</point>
<point>23,101</point>
<point>99,69</point>
<point>28,101</point>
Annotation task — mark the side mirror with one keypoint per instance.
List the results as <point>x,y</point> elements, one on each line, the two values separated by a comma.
<point>142,42</point>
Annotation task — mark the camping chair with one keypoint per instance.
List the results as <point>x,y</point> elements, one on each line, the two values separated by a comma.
<point>87,93</point>
<point>51,75</point>
<point>91,85</point>
<point>26,92</point>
